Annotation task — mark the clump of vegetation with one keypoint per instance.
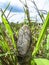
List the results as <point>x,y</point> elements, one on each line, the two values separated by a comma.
<point>9,37</point>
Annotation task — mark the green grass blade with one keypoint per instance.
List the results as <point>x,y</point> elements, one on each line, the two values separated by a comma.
<point>2,45</point>
<point>44,28</point>
<point>8,28</point>
<point>3,42</point>
<point>6,54</point>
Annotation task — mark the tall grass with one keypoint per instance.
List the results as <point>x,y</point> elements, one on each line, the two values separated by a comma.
<point>8,52</point>
<point>44,28</point>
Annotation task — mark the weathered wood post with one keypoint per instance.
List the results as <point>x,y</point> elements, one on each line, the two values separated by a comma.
<point>24,45</point>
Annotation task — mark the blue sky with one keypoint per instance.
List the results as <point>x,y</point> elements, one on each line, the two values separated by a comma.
<point>18,8</point>
<point>14,8</point>
<point>15,4</point>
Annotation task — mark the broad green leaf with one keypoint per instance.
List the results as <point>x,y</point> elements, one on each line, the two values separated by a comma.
<point>41,61</point>
<point>44,28</point>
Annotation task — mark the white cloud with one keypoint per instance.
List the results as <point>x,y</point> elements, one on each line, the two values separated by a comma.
<point>2,1</point>
<point>41,4</point>
<point>18,17</point>
<point>16,3</point>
